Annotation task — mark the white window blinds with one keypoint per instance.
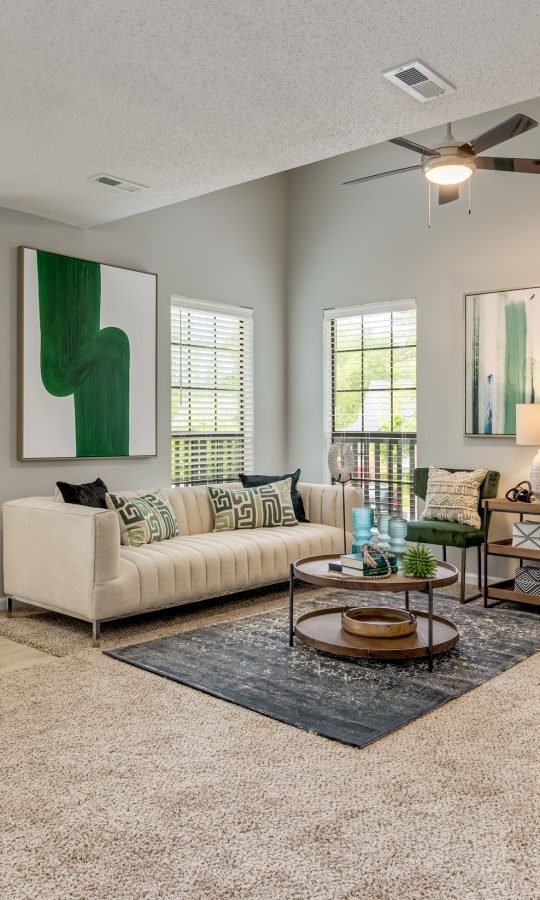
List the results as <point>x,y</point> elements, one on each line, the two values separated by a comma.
<point>370,397</point>
<point>211,391</point>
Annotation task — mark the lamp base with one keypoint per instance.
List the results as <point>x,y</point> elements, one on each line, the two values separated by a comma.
<point>535,477</point>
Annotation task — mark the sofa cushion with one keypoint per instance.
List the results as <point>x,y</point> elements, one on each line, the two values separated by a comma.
<point>189,568</point>
<point>296,497</point>
<point>445,534</point>
<point>144,518</point>
<point>91,494</point>
<point>266,506</point>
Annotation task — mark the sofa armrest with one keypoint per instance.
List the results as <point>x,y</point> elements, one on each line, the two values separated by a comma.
<point>55,553</point>
<point>324,503</point>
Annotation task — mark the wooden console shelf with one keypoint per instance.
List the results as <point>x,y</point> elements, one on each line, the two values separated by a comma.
<point>504,548</point>
<point>504,590</point>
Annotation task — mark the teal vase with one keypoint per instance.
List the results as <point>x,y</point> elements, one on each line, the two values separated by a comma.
<point>363,519</point>
<point>384,537</point>
<point>397,531</point>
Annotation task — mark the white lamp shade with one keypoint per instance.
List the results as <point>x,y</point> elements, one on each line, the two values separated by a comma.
<point>528,424</point>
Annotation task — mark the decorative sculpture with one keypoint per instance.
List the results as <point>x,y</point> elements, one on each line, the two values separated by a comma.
<point>341,463</point>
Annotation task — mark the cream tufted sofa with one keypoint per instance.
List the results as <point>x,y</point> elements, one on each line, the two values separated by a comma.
<point>69,559</point>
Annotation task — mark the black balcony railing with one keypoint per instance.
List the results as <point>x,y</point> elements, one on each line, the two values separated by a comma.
<point>206,458</point>
<point>385,463</point>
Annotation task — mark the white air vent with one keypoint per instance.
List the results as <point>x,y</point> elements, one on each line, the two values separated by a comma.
<point>419,81</point>
<point>119,184</point>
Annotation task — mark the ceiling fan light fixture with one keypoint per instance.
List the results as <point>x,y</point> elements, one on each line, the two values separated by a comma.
<point>441,170</point>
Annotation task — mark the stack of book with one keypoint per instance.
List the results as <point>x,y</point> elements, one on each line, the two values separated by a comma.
<point>353,564</point>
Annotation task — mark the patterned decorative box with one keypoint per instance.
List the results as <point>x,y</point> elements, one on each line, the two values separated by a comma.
<point>526,535</point>
<point>527,580</point>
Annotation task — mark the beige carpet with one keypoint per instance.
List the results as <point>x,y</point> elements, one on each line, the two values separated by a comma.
<point>62,636</point>
<point>119,784</point>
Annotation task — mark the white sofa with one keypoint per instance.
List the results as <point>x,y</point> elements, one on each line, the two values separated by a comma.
<point>69,559</point>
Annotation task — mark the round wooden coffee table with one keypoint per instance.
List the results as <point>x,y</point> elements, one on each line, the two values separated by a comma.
<point>322,629</point>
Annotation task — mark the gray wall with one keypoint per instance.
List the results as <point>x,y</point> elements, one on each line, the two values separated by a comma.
<point>227,246</point>
<point>353,245</point>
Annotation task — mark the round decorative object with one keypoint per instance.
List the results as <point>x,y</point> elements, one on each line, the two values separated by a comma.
<point>378,621</point>
<point>397,529</point>
<point>419,562</point>
<point>363,519</point>
<point>384,537</point>
<point>341,462</point>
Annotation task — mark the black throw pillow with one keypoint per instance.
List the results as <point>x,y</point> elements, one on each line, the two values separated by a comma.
<point>258,480</point>
<point>92,494</point>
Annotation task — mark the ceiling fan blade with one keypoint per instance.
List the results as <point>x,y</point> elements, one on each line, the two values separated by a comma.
<point>448,193</point>
<point>507,164</point>
<point>382,175</point>
<point>410,145</point>
<point>510,128</point>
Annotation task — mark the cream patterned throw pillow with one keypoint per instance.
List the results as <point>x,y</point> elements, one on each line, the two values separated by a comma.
<point>258,507</point>
<point>454,496</point>
<point>143,519</point>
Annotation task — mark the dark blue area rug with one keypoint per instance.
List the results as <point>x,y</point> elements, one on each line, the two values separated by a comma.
<point>249,662</point>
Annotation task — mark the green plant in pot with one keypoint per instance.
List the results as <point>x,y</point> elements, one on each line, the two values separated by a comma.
<point>419,562</point>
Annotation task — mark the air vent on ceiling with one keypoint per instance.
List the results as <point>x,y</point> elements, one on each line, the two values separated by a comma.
<point>419,81</point>
<point>119,184</point>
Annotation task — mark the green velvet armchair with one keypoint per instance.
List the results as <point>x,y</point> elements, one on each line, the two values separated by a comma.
<point>451,534</point>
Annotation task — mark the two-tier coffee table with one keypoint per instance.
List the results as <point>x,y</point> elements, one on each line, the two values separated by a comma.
<point>322,629</point>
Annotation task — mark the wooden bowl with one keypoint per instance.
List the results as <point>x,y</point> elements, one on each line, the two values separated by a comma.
<point>378,621</point>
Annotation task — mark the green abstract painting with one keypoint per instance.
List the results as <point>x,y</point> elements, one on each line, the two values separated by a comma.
<point>87,344</point>
<point>502,358</point>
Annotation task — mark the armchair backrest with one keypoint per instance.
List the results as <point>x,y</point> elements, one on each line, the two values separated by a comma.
<point>488,488</point>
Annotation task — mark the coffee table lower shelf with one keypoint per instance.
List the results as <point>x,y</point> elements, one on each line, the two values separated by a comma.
<point>322,630</point>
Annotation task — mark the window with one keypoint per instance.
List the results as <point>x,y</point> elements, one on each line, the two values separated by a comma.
<point>370,398</point>
<point>212,391</point>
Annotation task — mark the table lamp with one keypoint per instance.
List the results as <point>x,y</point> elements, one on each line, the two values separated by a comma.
<point>528,434</point>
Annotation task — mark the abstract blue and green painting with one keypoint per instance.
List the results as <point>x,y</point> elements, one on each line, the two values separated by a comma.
<point>502,358</point>
<point>88,343</point>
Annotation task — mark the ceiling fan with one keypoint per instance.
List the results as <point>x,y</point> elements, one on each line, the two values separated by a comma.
<point>453,162</point>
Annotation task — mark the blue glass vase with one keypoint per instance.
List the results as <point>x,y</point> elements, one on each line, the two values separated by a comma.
<point>384,537</point>
<point>397,530</point>
<point>363,519</point>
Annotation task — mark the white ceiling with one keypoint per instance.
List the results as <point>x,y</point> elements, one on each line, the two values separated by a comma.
<point>189,96</point>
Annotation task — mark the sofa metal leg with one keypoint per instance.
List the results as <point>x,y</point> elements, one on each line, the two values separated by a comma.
<point>9,607</point>
<point>96,633</point>
<point>444,554</point>
<point>463,567</point>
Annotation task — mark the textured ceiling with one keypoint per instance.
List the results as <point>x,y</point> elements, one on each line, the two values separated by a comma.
<point>189,96</point>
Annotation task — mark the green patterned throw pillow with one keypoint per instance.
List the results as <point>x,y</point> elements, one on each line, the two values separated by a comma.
<point>258,507</point>
<point>144,519</point>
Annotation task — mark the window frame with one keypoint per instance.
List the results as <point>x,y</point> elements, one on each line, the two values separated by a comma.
<point>244,436</point>
<point>402,443</point>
